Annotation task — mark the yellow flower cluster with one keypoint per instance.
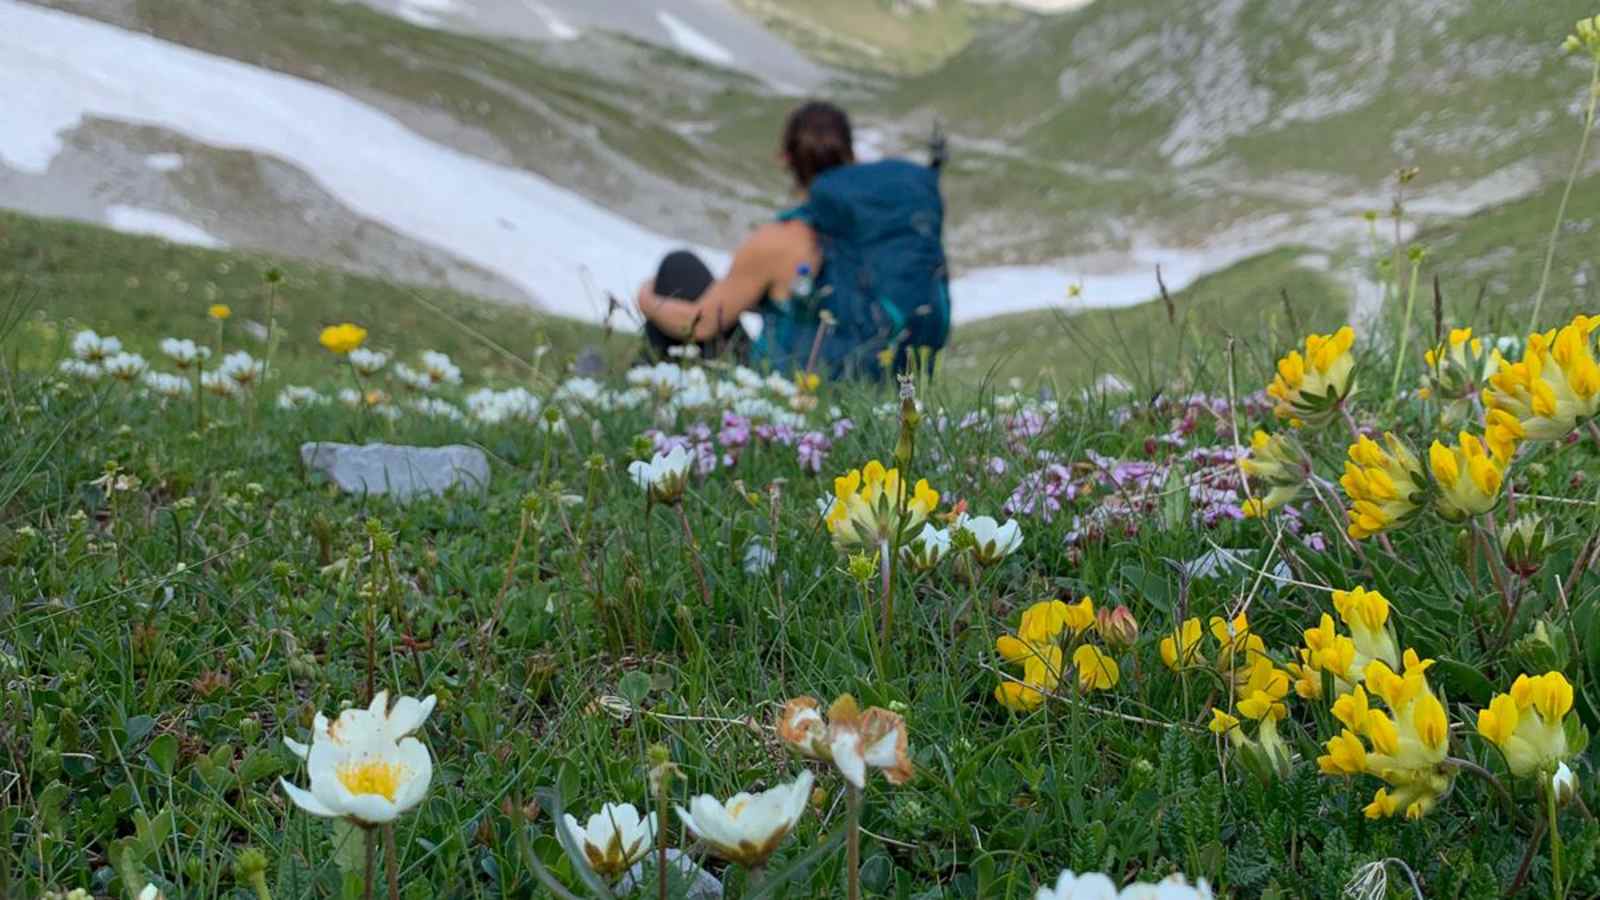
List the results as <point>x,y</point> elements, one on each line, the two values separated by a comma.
<point>1262,697</point>
<point>867,506</point>
<point>1037,648</point>
<point>1384,486</point>
<point>1529,725</point>
<point>1405,747</point>
<point>1235,641</point>
<point>1554,387</point>
<point>1468,476</point>
<point>1277,463</point>
<point>341,339</point>
<point>1345,657</point>
<point>1310,387</point>
<point>1454,373</point>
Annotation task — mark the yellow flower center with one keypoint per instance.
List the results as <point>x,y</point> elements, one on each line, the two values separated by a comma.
<point>374,777</point>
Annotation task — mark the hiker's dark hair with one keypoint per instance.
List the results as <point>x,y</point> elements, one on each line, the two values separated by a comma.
<point>815,139</point>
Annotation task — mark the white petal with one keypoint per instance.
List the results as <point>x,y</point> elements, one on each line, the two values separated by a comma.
<point>380,703</point>
<point>846,750</point>
<point>419,774</point>
<point>641,473</point>
<point>297,748</point>
<point>1094,886</point>
<point>882,752</point>
<point>305,800</point>
<point>408,715</point>
<point>371,808</point>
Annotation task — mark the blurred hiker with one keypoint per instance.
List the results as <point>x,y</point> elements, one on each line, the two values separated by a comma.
<point>849,282</point>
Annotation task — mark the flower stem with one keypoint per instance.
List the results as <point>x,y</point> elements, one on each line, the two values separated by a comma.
<point>391,861</point>
<point>1561,210</point>
<point>661,838</point>
<point>693,549</point>
<point>371,842</point>
<point>1556,888</point>
<point>1405,333</point>
<point>853,842</point>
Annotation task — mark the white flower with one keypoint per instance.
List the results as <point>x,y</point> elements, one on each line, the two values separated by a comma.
<point>365,766</point>
<point>684,351</point>
<point>578,391</point>
<point>925,550</point>
<point>615,838</point>
<point>352,398</point>
<point>367,362</point>
<point>77,368</point>
<point>748,828</point>
<point>165,384</point>
<point>492,407</point>
<point>241,368</point>
<point>994,541</point>
<point>219,383</point>
<point>92,348</point>
<point>150,893</point>
<point>664,476</point>
<point>1095,886</point>
<point>850,738</point>
<point>436,408</point>
<point>184,353</point>
<point>297,397</point>
<point>1564,783</point>
<point>439,368</point>
<point>757,558</point>
<point>411,378</point>
<point>124,366</point>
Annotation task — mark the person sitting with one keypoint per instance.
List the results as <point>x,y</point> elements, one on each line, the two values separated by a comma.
<point>848,282</point>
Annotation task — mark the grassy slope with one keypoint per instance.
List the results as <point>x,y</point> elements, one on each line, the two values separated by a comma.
<point>143,289</point>
<point>872,34</point>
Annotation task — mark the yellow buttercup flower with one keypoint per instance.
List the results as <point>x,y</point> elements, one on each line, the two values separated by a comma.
<point>1469,477</point>
<point>219,311</point>
<point>866,507</point>
<point>1311,387</point>
<point>1182,648</point>
<point>1277,463</point>
<point>1529,724</point>
<point>1385,487</point>
<point>1555,386</point>
<point>1097,670</point>
<point>341,339</point>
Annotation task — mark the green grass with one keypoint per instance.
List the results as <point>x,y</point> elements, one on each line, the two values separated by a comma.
<point>159,641</point>
<point>74,276</point>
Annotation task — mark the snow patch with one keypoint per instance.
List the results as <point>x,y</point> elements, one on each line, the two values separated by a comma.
<point>557,26</point>
<point>135,220</point>
<point>164,162</point>
<point>426,13</point>
<point>693,42</point>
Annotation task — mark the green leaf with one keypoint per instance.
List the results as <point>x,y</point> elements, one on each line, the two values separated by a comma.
<point>799,867</point>
<point>259,765</point>
<point>634,687</point>
<point>163,751</point>
<point>136,729</point>
<point>349,850</point>
<point>1460,679</point>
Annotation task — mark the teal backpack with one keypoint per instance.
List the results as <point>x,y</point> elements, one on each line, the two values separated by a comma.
<point>883,281</point>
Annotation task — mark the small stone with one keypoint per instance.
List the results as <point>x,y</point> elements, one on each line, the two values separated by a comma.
<point>1222,563</point>
<point>590,363</point>
<point>688,880</point>
<point>398,471</point>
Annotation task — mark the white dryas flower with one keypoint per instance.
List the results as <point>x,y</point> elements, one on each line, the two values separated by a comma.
<point>365,766</point>
<point>411,378</point>
<point>219,383</point>
<point>92,348</point>
<point>435,408</point>
<point>165,384</point>
<point>184,353</point>
<point>367,362</point>
<point>614,839</point>
<point>992,540</point>
<point>665,476</point>
<point>77,368</point>
<point>925,550</point>
<point>242,369</point>
<point>439,368</point>
<point>298,397</point>
<point>1095,886</point>
<point>749,827</point>
<point>491,407</point>
<point>124,367</point>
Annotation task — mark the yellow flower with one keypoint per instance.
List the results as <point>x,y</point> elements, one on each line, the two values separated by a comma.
<point>1018,697</point>
<point>1528,724</point>
<point>807,381</point>
<point>341,339</point>
<point>1182,648</point>
<point>1234,638</point>
<point>219,311</point>
<point>1307,678</point>
<point>1469,478</point>
<point>1080,616</point>
<point>1039,655</point>
<point>1311,387</point>
<point>1455,371</point>
<point>1346,755</point>
<point>1502,431</point>
<point>1585,38</point>
<point>1366,614</point>
<point>1221,722</point>
<point>1278,464</point>
<point>1555,386</point>
<point>1043,621</point>
<point>1261,695</point>
<point>866,507</point>
<point>1384,487</point>
<point>1329,651</point>
<point>1097,671</point>
<point>1408,744</point>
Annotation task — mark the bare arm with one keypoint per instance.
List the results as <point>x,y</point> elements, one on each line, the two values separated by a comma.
<point>719,307</point>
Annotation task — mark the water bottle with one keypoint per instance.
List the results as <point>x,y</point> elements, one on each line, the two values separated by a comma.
<point>803,284</point>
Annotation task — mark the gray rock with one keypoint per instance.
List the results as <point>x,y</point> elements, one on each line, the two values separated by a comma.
<point>1225,562</point>
<point>688,880</point>
<point>398,471</point>
<point>590,362</point>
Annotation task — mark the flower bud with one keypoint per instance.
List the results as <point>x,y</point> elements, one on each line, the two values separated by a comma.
<point>1117,627</point>
<point>1544,649</point>
<point>1524,544</point>
<point>862,566</point>
<point>1564,784</point>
